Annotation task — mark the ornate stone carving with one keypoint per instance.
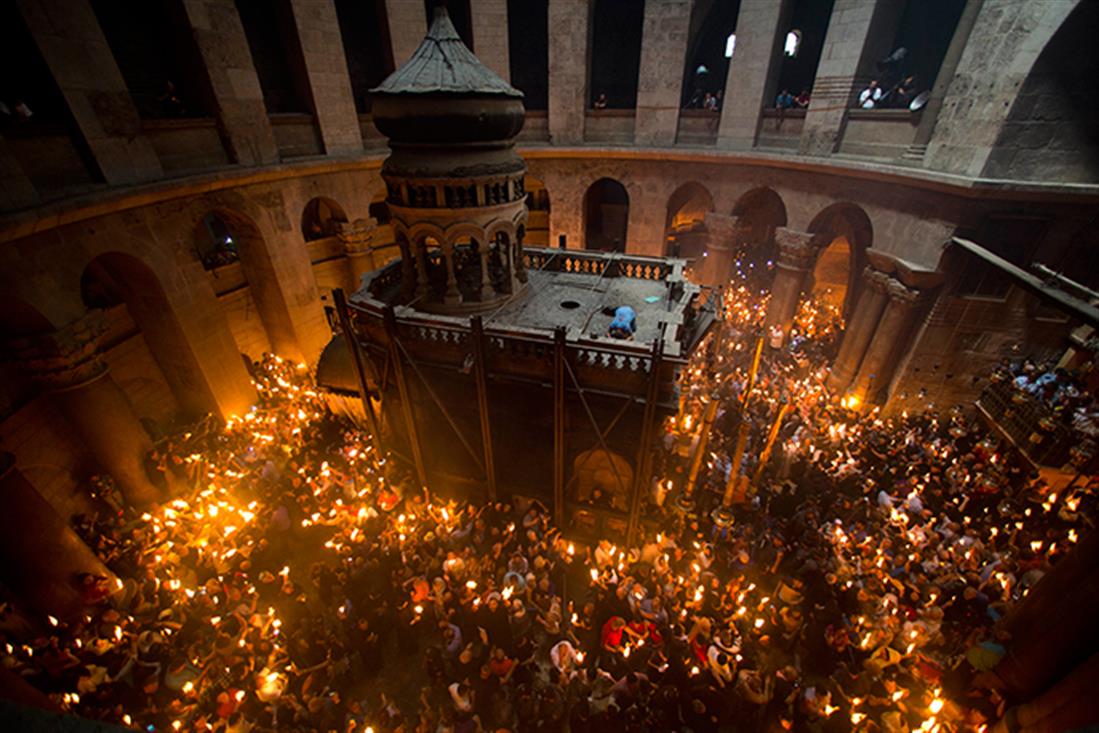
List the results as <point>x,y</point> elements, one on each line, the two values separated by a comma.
<point>876,279</point>
<point>358,236</point>
<point>721,228</point>
<point>900,294</point>
<point>65,358</point>
<point>795,249</point>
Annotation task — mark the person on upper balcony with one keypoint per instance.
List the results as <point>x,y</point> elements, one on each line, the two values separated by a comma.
<point>869,97</point>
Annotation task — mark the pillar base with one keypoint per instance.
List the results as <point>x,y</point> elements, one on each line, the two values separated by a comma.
<point>684,503</point>
<point>723,516</point>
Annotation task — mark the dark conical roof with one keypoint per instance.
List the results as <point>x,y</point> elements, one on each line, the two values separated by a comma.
<point>443,64</point>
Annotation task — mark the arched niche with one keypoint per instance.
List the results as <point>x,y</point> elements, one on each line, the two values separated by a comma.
<point>684,221</point>
<point>236,237</point>
<point>845,235</point>
<point>759,212</point>
<point>832,273</point>
<point>321,218</point>
<point>116,279</point>
<point>602,479</point>
<point>606,215</point>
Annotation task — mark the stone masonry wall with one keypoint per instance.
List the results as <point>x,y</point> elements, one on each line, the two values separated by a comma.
<point>1003,47</point>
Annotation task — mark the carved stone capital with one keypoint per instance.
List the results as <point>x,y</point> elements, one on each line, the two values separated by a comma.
<point>901,295</point>
<point>876,280</point>
<point>796,250</point>
<point>721,226</point>
<point>358,236</point>
<point>65,358</point>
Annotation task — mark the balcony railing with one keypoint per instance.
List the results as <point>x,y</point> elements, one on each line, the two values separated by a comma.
<point>1032,425</point>
<point>603,365</point>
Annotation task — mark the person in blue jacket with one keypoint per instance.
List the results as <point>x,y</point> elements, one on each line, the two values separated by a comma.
<point>624,324</point>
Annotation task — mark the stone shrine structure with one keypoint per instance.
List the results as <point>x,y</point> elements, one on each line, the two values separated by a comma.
<point>455,191</point>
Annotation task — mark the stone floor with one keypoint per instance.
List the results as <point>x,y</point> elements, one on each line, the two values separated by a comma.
<point>586,304</point>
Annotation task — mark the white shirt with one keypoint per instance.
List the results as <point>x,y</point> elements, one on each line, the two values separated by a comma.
<point>869,96</point>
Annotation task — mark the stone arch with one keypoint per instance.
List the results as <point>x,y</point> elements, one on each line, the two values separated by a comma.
<point>118,278</point>
<point>606,472</point>
<point>982,94</point>
<point>501,226</point>
<point>759,212</point>
<point>844,234</point>
<point>456,232</point>
<point>684,227</point>
<point>322,217</point>
<point>258,267</point>
<point>1051,133</point>
<point>606,212</point>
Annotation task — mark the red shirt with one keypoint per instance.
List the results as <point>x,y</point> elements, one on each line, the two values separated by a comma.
<point>612,636</point>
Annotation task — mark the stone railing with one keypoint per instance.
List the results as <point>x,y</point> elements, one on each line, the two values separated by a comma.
<point>603,365</point>
<point>600,263</point>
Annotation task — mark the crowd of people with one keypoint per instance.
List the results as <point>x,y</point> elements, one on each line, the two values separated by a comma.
<point>300,582</point>
<point>1062,391</point>
<point>896,96</point>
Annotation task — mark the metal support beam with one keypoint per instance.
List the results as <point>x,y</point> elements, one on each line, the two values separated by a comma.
<point>390,320</point>
<point>599,434</point>
<point>644,451</point>
<point>480,375</point>
<point>360,370</point>
<point>1082,309</point>
<point>559,426</point>
<point>442,408</point>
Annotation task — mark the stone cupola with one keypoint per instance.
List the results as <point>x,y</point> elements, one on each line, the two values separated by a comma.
<point>454,183</point>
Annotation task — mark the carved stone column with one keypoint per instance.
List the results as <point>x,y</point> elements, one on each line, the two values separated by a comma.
<point>43,559</point>
<point>519,263</point>
<point>408,267</point>
<point>795,257</point>
<point>358,245</point>
<point>860,329</point>
<point>721,233</point>
<point>419,254</point>
<point>884,350</point>
<point>452,294</point>
<point>505,250</point>
<point>484,252</point>
<point>67,365</point>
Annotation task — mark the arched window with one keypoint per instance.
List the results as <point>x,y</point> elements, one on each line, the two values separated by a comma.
<point>793,43</point>
<point>710,46</point>
<point>321,218</point>
<point>214,243</point>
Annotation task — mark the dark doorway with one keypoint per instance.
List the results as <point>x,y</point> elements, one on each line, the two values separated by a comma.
<point>606,216</point>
